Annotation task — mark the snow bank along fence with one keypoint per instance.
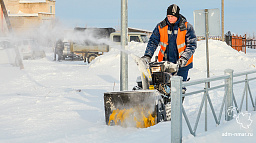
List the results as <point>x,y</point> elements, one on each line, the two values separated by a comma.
<point>228,100</point>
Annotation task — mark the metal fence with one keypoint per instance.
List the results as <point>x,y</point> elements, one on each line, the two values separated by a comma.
<point>239,43</point>
<point>236,42</point>
<point>251,43</point>
<point>228,100</point>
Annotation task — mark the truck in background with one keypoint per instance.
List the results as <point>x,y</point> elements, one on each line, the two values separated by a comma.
<point>132,36</point>
<point>89,50</point>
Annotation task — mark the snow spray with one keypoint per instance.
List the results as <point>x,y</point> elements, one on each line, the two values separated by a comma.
<point>142,65</point>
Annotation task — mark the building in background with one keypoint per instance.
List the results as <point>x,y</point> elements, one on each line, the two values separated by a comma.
<point>28,14</point>
<point>149,33</point>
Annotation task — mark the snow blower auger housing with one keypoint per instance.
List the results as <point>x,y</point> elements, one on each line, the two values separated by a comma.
<point>140,108</point>
<point>148,103</point>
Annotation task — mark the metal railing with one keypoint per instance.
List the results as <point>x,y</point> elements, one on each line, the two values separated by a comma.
<point>251,43</point>
<point>228,100</point>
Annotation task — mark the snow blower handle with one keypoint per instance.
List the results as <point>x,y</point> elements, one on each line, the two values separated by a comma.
<point>171,67</point>
<point>146,59</point>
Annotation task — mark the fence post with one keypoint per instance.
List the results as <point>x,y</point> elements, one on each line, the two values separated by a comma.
<point>176,106</point>
<point>228,38</point>
<point>229,96</point>
<point>245,43</point>
<point>255,104</point>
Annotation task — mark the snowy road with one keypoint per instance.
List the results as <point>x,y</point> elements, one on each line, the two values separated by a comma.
<point>63,101</point>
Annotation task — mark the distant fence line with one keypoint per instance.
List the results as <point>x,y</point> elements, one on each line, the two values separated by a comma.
<point>237,42</point>
<point>210,37</point>
<point>251,43</point>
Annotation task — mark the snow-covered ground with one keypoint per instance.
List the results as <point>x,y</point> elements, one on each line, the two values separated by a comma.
<point>58,102</point>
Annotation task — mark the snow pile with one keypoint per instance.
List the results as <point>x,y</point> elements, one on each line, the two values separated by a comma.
<point>222,57</point>
<point>63,101</point>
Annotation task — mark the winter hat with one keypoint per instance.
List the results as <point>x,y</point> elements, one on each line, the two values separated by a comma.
<point>173,10</point>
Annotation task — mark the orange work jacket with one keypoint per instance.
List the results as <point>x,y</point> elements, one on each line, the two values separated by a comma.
<point>181,45</point>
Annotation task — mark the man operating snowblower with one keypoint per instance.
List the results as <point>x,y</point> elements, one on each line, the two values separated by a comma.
<point>150,101</point>
<point>177,40</point>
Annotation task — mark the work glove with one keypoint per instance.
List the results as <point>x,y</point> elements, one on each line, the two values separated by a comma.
<point>146,59</point>
<point>182,62</point>
<point>170,67</point>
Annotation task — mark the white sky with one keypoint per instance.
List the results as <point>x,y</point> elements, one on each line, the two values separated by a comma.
<point>240,16</point>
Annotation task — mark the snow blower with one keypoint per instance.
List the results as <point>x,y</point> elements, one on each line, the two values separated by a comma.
<point>149,103</point>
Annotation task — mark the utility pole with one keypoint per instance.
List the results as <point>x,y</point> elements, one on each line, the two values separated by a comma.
<point>2,20</point>
<point>207,47</point>
<point>222,19</point>
<point>6,16</point>
<point>18,60</point>
<point>124,43</point>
